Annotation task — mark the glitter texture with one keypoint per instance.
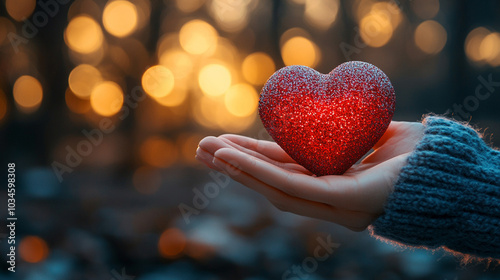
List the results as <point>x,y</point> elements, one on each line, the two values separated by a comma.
<point>327,122</point>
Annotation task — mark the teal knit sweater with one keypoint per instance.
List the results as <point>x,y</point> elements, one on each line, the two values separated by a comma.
<point>447,195</point>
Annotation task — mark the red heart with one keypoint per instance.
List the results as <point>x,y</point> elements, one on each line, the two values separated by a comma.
<point>327,122</point>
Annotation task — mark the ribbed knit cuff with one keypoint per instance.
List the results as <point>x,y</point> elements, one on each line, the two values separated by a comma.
<point>447,195</point>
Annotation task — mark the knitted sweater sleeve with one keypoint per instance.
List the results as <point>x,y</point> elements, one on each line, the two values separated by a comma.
<point>447,195</point>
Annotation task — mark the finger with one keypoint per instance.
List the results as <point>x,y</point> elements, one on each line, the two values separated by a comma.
<point>211,144</point>
<point>206,158</point>
<point>298,185</point>
<point>379,183</point>
<point>401,138</point>
<point>387,134</point>
<point>351,219</point>
<point>267,148</point>
<point>291,166</point>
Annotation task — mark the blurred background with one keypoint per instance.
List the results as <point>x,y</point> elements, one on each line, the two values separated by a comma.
<point>103,103</point>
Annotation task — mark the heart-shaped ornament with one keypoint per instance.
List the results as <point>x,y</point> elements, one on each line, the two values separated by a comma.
<point>327,122</point>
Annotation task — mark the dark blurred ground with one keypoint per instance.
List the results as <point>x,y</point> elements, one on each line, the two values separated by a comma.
<point>112,211</point>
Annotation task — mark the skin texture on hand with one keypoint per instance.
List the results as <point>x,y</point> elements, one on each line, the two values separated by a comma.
<point>353,200</point>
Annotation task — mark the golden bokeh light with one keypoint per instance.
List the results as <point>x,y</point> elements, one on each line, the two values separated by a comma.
<point>430,37</point>
<point>75,103</point>
<point>85,7</point>
<point>202,111</point>
<point>106,98</point>
<point>178,61</point>
<point>425,9</point>
<point>83,35</point>
<point>120,18</point>
<point>158,152</point>
<point>212,113</point>
<point>473,43</point>
<point>175,98</point>
<point>390,10</point>
<point>172,243</point>
<point>376,29</point>
<point>20,9</point>
<point>258,67</point>
<point>231,123</point>
<point>158,81</point>
<point>361,8</point>
<point>210,105</point>
<point>377,21</point>
<point>189,6</point>
<point>93,58</point>
<point>230,15</point>
<point>321,13</point>
<point>143,8</point>
<point>214,79</point>
<point>167,43</point>
<point>197,37</point>
<point>33,249</point>
<point>293,32</point>
<point>28,93</point>
<point>3,105</point>
<point>489,49</point>
<point>83,79</point>
<point>241,100</point>
<point>300,51</point>
<point>225,51</point>
<point>146,180</point>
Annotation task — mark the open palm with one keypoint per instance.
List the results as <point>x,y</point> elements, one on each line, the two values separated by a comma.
<point>354,199</point>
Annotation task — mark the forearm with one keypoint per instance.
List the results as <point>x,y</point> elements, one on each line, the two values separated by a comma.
<point>448,194</point>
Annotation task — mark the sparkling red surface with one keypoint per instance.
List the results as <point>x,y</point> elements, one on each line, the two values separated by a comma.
<point>327,122</point>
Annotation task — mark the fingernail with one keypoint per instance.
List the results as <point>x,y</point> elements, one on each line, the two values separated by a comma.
<point>204,155</point>
<point>201,156</point>
<point>217,162</point>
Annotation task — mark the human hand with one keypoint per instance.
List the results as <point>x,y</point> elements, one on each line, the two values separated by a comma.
<point>353,200</point>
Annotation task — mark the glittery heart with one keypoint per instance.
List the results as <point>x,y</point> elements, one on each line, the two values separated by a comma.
<point>327,122</point>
